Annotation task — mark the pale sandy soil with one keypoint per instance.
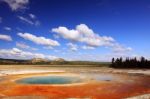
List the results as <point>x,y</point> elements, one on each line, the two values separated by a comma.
<point>146,96</point>
<point>25,69</point>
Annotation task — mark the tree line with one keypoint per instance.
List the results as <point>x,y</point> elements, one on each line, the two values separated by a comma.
<point>130,63</point>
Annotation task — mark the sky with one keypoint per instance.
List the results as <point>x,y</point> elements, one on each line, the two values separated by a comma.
<point>88,30</point>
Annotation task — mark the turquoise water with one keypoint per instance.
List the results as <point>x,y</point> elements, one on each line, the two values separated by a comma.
<point>49,80</point>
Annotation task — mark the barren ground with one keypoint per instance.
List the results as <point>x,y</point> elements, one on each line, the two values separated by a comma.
<point>127,83</point>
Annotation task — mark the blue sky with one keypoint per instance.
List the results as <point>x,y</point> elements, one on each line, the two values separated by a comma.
<point>94,30</point>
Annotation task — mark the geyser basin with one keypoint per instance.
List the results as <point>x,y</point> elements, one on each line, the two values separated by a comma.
<point>50,80</point>
<point>104,77</point>
<point>100,76</point>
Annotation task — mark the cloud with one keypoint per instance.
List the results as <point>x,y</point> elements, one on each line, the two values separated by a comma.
<point>22,45</point>
<point>56,36</point>
<point>16,5</point>
<point>73,47</point>
<point>48,47</point>
<point>86,57</point>
<point>87,47</point>
<point>83,34</point>
<point>7,28</point>
<point>16,53</point>
<point>122,49</point>
<point>26,20</point>
<point>39,40</point>
<point>31,19</point>
<point>18,29</point>
<point>5,37</point>
<point>34,19</point>
<point>25,46</point>
<point>32,16</point>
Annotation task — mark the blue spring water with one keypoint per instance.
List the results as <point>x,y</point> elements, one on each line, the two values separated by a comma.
<point>49,80</point>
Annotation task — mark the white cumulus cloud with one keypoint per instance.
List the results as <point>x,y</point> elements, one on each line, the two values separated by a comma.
<point>39,40</point>
<point>17,4</point>
<point>83,34</point>
<point>5,37</point>
<point>16,53</point>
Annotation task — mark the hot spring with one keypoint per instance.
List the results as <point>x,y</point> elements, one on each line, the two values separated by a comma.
<point>50,80</point>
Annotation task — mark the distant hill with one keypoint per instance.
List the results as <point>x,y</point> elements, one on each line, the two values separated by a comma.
<point>37,60</point>
<point>58,61</point>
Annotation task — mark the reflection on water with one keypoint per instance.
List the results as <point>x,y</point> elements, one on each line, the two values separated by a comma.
<point>103,77</point>
<point>99,76</point>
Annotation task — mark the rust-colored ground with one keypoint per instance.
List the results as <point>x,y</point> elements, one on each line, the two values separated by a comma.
<point>92,90</point>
